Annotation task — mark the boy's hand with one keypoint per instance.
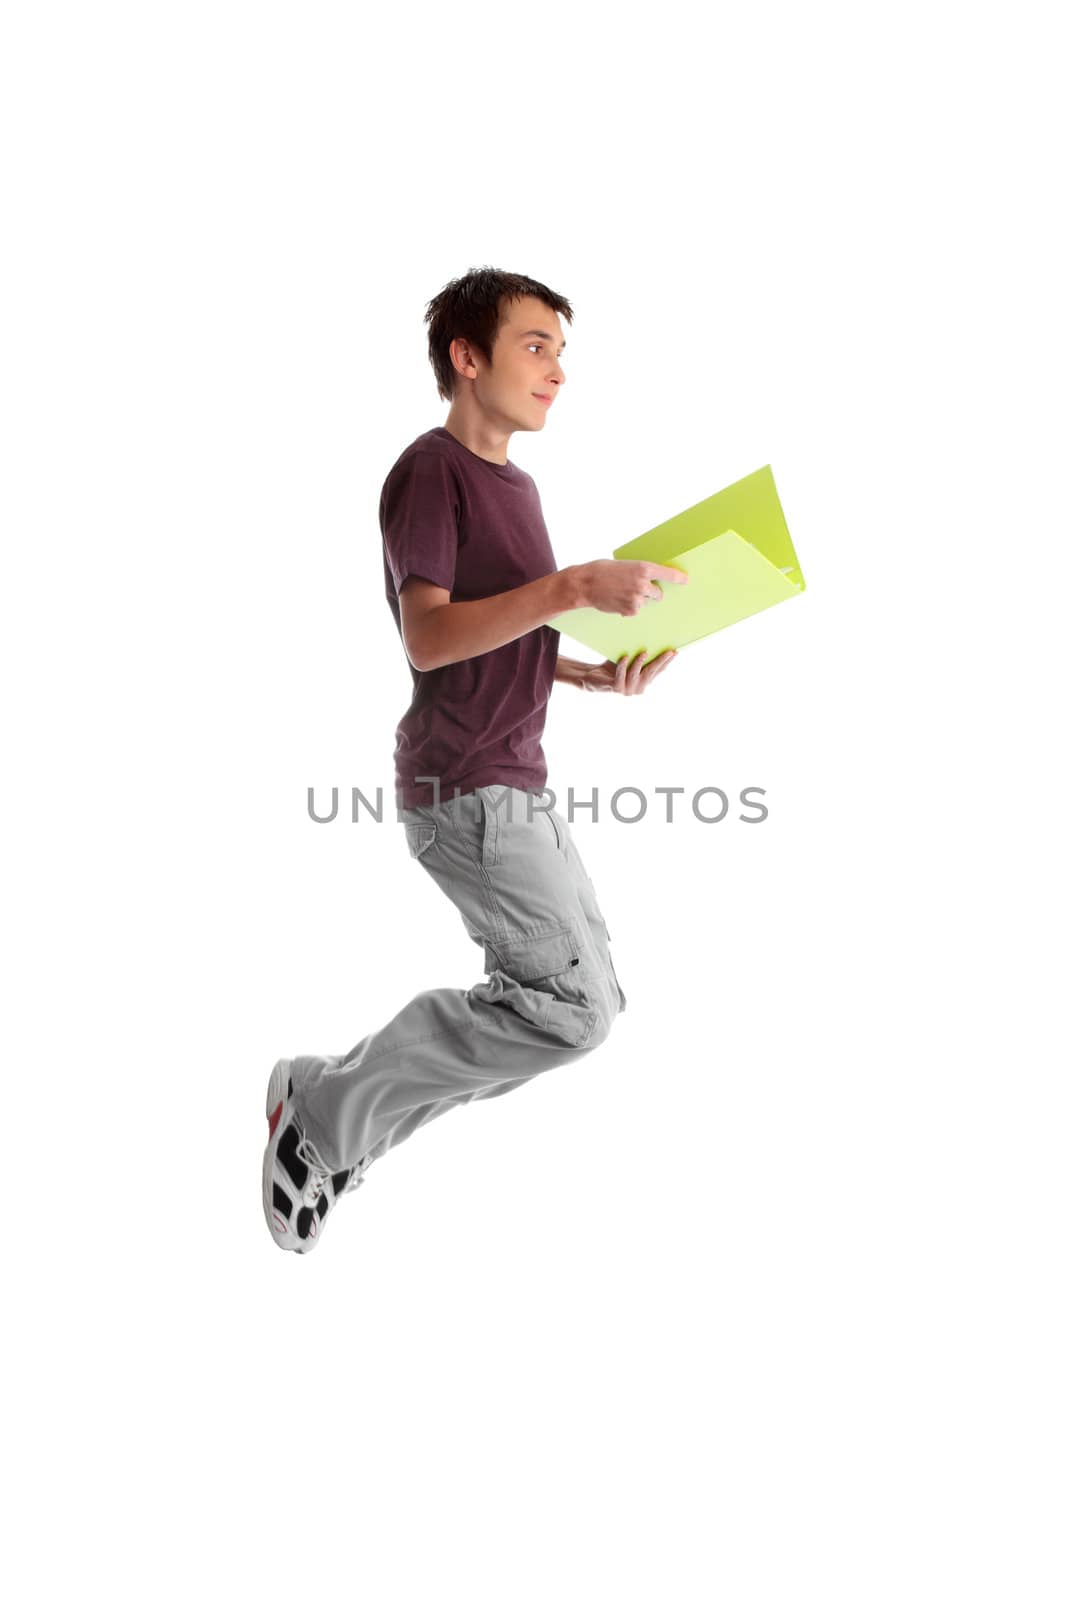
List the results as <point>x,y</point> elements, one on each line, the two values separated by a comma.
<point>627,679</point>
<point>623,587</point>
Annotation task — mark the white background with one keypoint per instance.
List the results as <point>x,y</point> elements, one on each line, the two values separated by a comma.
<point>766,1297</point>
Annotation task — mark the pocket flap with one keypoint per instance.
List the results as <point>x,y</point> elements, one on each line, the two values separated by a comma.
<point>540,955</point>
<point>420,835</point>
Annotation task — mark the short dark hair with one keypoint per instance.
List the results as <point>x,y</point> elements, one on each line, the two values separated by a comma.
<point>470,308</point>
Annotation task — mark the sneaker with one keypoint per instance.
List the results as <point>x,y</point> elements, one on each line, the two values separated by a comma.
<point>299,1192</point>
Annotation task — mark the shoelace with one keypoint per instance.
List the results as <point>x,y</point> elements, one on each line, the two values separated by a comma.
<point>318,1174</point>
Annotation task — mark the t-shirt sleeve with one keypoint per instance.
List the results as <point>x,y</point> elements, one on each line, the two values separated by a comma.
<point>419,515</point>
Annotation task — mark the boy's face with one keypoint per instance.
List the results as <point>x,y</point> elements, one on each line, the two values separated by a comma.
<point>526,364</point>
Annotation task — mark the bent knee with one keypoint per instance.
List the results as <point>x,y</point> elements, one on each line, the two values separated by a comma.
<point>604,1015</point>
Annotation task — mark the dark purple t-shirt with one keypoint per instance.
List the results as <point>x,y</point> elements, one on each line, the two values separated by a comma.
<point>476,529</point>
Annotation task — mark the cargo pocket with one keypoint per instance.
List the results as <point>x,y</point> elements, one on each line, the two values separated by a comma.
<point>420,835</point>
<point>542,978</point>
<point>535,956</point>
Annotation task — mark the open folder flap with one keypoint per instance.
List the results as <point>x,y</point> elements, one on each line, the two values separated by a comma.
<point>750,506</point>
<point>738,555</point>
<point>729,580</point>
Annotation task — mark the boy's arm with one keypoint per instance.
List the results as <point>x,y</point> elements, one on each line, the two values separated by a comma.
<point>438,631</point>
<point>568,670</point>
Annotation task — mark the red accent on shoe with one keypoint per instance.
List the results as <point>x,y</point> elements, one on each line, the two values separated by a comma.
<point>272,1122</point>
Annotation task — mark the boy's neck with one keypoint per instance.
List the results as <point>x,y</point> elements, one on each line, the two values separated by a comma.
<point>477,434</point>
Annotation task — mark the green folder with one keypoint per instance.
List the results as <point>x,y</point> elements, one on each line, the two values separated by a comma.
<point>737,550</point>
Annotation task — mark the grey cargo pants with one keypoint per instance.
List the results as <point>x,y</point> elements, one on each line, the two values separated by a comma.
<point>508,863</point>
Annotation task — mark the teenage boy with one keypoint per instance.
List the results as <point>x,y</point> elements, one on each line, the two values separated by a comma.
<point>471,581</point>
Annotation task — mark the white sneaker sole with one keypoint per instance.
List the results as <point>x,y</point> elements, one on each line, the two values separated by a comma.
<point>283,1234</point>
